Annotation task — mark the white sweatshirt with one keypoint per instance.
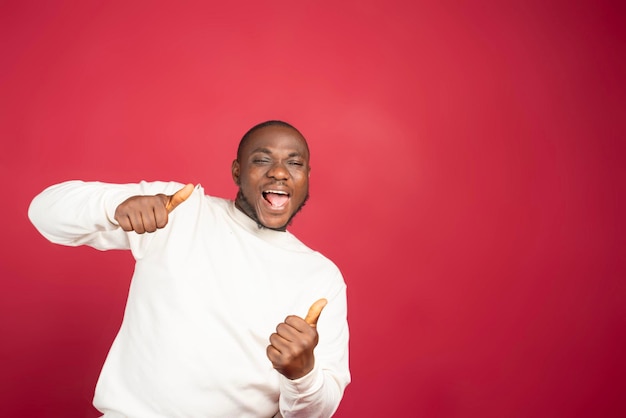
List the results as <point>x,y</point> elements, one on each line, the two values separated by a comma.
<point>207,292</point>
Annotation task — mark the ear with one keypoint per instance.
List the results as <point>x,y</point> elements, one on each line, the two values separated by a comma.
<point>235,171</point>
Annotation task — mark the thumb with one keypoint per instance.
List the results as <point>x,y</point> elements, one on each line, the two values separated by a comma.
<point>179,197</point>
<point>314,312</point>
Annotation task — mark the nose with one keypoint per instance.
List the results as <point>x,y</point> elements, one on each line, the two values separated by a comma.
<point>278,171</point>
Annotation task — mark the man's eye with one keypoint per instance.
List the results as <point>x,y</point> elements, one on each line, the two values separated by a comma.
<point>295,163</point>
<point>260,161</point>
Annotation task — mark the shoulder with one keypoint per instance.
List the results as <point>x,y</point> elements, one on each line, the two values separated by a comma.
<point>156,187</point>
<point>316,257</point>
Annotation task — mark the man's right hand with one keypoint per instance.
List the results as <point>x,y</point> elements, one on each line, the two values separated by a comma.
<point>148,213</point>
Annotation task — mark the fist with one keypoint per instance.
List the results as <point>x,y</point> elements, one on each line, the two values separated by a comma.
<point>291,346</point>
<point>149,213</point>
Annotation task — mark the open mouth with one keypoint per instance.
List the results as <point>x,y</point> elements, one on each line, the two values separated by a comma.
<point>276,198</point>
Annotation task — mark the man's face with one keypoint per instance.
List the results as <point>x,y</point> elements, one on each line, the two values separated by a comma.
<point>273,176</point>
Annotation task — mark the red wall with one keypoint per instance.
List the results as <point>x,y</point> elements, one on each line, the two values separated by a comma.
<point>468,178</point>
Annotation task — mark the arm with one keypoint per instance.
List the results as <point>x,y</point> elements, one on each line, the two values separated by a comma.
<point>98,214</point>
<point>318,392</point>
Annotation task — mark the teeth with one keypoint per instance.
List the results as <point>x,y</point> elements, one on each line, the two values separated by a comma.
<point>276,192</point>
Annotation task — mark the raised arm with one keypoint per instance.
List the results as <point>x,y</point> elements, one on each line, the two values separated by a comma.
<point>317,393</point>
<point>97,214</point>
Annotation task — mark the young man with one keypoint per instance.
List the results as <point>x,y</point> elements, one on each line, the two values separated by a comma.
<point>211,326</point>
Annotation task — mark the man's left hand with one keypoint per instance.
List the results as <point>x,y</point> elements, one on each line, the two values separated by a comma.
<point>291,346</point>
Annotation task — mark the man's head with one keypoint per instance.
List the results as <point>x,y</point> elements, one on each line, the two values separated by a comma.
<point>272,172</point>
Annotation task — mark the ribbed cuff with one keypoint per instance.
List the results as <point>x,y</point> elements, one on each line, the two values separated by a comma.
<point>303,386</point>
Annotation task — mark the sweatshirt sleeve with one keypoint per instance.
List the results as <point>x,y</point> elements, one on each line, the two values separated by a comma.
<point>82,213</point>
<point>318,394</point>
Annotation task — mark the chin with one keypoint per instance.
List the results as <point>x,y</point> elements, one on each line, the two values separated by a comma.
<point>278,225</point>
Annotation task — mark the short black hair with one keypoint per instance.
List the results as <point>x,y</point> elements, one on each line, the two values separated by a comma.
<point>262,125</point>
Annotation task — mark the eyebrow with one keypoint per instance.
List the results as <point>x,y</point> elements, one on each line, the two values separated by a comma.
<point>263,150</point>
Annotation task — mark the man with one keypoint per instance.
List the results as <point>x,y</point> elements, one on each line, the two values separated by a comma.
<point>205,331</point>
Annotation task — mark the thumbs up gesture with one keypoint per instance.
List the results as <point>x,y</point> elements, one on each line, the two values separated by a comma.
<point>148,213</point>
<point>291,346</point>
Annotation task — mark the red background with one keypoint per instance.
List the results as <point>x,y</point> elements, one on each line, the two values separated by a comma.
<point>468,178</point>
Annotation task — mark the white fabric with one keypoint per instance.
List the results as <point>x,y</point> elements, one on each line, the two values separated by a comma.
<point>207,292</point>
